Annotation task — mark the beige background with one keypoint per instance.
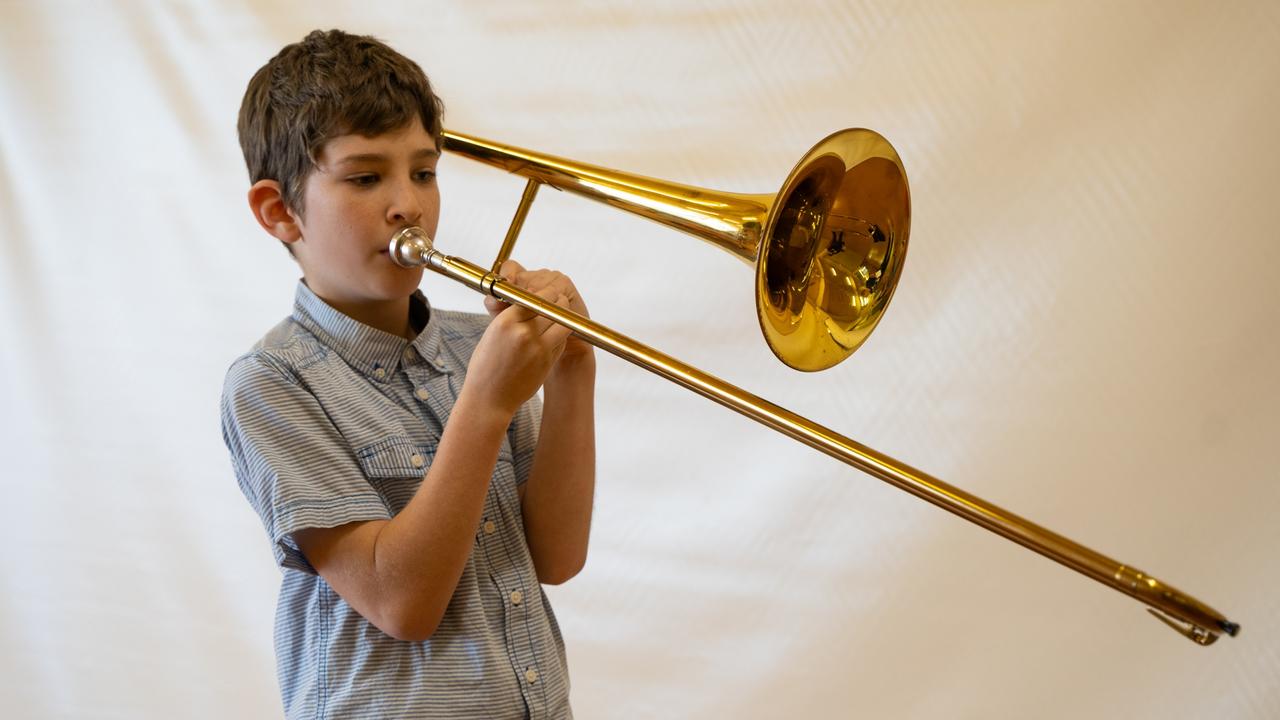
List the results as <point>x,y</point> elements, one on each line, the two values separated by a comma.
<point>1084,333</point>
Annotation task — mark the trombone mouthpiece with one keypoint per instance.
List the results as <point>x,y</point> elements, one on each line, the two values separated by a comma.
<point>411,247</point>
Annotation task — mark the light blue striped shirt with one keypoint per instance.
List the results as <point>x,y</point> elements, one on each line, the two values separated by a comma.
<point>330,421</point>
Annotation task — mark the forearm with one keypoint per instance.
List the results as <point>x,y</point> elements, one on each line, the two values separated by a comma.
<point>558,495</point>
<point>418,555</point>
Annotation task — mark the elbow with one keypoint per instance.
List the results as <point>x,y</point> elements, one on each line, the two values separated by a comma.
<point>409,632</point>
<point>561,572</point>
<point>409,622</point>
<point>548,578</point>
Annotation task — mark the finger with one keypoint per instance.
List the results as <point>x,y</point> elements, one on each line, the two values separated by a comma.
<point>569,296</point>
<point>494,306</point>
<point>556,336</point>
<point>537,279</point>
<point>515,283</point>
<point>510,268</point>
<point>531,280</point>
<point>566,293</point>
<point>570,300</point>
<point>540,324</point>
<point>519,313</point>
<point>572,296</point>
<point>510,288</point>
<point>518,281</point>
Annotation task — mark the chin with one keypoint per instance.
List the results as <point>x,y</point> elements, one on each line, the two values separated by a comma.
<point>402,285</point>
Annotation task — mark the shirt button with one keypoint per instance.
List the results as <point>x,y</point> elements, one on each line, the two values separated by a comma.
<point>422,393</point>
<point>408,354</point>
<point>417,461</point>
<point>379,373</point>
<point>489,527</point>
<point>531,675</point>
<point>516,597</point>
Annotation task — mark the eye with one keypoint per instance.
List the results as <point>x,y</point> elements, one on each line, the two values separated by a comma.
<point>424,176</point>
<point>363,180</point>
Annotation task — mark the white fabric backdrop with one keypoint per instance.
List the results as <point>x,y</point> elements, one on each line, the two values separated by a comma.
<point>1085,334</point>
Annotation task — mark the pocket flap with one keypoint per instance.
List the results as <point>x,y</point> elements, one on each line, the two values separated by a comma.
<point>395,457</point>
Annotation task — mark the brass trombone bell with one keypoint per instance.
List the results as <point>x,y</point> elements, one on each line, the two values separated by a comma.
<point>828,247</point>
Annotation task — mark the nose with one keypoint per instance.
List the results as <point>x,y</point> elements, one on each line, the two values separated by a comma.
<point>405,207</point>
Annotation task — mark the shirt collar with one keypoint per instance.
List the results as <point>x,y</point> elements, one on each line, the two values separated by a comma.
<point>369,350</point>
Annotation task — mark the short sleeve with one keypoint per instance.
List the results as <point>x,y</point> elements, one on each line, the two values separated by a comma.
<point>295,468</point>
<point>523,437</point>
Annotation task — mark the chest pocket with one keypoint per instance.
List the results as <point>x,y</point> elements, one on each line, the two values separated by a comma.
<point>395,467</point>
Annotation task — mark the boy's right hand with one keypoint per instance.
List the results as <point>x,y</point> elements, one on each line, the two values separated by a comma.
<point>517,351</point>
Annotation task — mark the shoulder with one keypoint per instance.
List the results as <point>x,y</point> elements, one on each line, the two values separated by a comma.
<point>278,355</point>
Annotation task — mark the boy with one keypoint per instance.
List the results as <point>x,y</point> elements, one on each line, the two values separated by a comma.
<point>393,451</point>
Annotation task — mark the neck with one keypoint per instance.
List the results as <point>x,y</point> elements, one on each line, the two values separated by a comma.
<point>391,316</point>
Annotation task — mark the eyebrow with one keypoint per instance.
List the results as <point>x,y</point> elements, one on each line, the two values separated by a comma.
<point>420,154</point>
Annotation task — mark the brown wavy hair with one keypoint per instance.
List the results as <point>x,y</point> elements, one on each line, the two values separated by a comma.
<point>331,83</point>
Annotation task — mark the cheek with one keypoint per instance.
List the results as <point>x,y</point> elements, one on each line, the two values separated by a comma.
<point>431,209</point>
<point>345,217</point>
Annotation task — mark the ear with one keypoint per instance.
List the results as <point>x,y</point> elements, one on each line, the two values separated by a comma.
<point>267,204</point>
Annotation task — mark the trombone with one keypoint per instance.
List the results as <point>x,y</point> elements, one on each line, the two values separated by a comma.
<point>828,249</point>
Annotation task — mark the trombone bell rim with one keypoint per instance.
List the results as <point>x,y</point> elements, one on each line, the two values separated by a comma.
<point>832,249</point>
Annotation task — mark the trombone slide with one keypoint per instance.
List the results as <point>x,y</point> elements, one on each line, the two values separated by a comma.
<point>411,247</point>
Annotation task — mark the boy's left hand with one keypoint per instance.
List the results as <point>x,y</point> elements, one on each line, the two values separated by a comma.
<point>567,296</point>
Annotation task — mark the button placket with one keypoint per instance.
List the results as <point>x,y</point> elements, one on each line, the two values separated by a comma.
<point>509,573</point>
<point>508,576</point>
<point>431,391</point>
<point>489,525</point>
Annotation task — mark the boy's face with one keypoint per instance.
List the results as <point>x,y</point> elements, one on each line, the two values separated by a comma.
<point>362,190</point>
